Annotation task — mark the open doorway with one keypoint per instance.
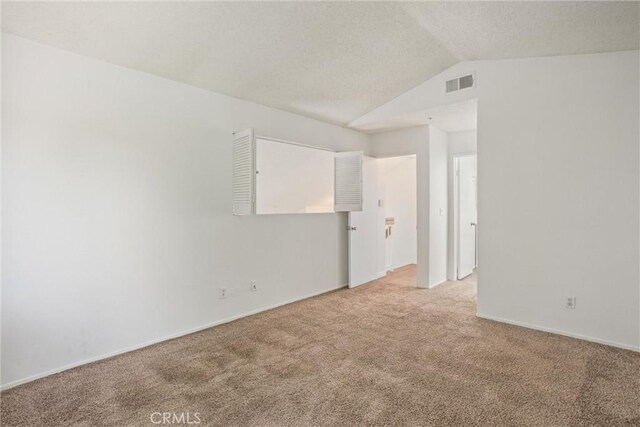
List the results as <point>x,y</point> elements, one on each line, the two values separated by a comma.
<point>450,133</point>
<point>400,207</point>
<point>383,236</point>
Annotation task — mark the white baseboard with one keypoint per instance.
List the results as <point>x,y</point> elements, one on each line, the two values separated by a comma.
<point>437,284</point>
<point>559,332</point>
<point>400,267</point>
<point>159,340</point>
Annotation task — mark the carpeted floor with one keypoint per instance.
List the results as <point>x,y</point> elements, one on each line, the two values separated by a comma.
<point>386,353</point>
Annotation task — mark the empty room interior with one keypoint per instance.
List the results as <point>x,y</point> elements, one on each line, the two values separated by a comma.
<point>320,213</point>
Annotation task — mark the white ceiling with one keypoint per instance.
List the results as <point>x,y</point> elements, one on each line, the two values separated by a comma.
<point>330,60</point>
<point>519,29</point>
<point>455,117</point>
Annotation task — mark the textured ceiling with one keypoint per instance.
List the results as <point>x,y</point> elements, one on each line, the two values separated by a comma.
<point>332,61</point>
<point>518,29</point>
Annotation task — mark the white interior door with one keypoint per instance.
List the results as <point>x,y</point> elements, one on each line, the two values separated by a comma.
<point>366,228</point>
<point>467,215</point>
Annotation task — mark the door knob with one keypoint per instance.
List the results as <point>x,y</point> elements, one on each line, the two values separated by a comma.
<point>351,228</point>
<point>473,224</point>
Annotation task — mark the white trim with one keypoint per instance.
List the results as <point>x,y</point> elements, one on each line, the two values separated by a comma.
<point>159,340</point>
<point>373,279</point>
<point>438,284</point>
<point>559,332</point>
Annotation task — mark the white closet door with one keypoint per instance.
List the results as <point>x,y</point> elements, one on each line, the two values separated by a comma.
<point>244,173</point>
<point>348,181</point>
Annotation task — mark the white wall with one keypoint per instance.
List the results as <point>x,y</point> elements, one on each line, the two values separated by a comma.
<point>400,202</point>
<point>464,142</point>
<point>117,211</point>
<point>559,196</point>
<point>401,142</point>
<point>460,143</point>
<point>438,158</point>
<point>558,178</point>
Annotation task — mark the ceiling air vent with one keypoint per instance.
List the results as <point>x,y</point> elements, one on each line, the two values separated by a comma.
<point>459,83</point>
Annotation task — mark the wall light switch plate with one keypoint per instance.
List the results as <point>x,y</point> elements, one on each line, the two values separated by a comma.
<point>570,302</point>
<point>254,287</point>
<point>223,293</point>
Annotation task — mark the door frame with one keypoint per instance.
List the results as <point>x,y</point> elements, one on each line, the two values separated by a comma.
<point>456,210</point>
<point>419,264</point>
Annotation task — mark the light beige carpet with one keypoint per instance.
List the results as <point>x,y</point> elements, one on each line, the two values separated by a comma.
<point>383,354</point>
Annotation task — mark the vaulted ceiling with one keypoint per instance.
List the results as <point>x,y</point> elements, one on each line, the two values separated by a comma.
<point>334,61</point>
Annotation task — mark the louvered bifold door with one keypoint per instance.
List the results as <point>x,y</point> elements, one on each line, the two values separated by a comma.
<point>244,172</point>
<point>348,181</point>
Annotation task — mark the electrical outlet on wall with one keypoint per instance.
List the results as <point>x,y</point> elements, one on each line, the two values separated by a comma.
<point>570,302</point>
<point>254,287</point>
<point>223,293</point>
